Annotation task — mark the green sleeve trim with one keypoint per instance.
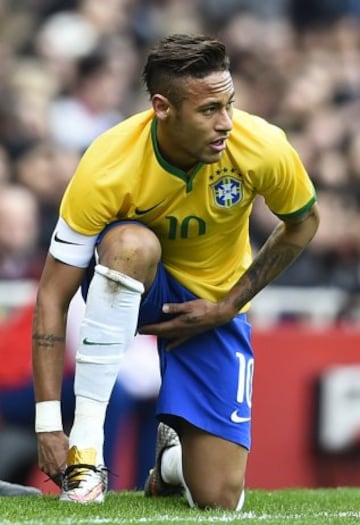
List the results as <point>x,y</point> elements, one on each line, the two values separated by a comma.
<point>302,210</point>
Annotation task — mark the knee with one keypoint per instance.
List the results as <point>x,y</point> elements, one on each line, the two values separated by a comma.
<point>130,246</point>
<point>222,494</point>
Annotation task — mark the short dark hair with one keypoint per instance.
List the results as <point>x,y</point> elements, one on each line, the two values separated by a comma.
<point>180,56</point>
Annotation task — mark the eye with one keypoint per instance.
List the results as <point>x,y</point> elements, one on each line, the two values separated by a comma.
<point>209,110</point>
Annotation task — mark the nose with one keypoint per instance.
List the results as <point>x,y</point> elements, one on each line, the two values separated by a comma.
<point>224,122</point>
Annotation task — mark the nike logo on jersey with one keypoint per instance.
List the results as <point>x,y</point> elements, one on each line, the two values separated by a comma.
<point>235,418</point>
<point>87,342</point>
<point>138,211</point>
<point>63,241</point>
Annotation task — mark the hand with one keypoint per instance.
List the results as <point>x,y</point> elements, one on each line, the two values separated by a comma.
<point>52,450</point>
<point>191,318</point>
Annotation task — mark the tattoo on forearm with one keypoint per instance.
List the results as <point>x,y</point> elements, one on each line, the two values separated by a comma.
<point>269,264</point>
<point>48,340</point>
<point>284,245</point>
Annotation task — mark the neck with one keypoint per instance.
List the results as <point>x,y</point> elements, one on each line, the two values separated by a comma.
<point>171,152</point>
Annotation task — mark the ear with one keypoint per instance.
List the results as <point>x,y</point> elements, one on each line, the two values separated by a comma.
<point>161,106</point>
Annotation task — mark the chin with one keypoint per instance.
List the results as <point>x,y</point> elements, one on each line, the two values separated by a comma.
<point>211,159</point>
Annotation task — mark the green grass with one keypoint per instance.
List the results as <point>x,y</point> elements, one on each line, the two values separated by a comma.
<point>291,507</point>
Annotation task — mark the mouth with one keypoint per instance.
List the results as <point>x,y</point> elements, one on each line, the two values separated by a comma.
<point>218,145</point>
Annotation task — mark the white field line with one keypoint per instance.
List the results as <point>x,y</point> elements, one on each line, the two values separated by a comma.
<point>226,518</point>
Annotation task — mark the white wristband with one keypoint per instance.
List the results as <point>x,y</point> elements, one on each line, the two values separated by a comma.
<point>48,416</point>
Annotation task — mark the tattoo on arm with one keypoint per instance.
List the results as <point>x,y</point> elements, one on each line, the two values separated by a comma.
<point>273,258</point>
<point>48,340</point>
<point>284,245</point>
<point>271,264</point>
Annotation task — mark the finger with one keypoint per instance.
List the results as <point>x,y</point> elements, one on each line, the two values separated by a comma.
<point>157,328</point>
<point>149,329</point>
<point>175,343</point>
<point>55,475</point>
<point>175,308</point>
<point>57,478</point>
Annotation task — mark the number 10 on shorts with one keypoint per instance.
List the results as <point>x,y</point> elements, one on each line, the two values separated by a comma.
<point>245,379</point>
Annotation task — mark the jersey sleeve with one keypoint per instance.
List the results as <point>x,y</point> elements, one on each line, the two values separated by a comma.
<point>284,182</point>
<point>97,194</point>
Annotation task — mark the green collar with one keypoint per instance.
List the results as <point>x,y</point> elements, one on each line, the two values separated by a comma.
<point>187,179</point>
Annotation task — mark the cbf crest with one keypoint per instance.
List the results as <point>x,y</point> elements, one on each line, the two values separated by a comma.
<point>227,192</point>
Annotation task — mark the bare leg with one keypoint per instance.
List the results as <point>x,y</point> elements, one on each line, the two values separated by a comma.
<point>213,468</point>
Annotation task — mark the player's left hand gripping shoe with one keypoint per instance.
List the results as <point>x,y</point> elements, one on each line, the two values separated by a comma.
<point>84,481</point>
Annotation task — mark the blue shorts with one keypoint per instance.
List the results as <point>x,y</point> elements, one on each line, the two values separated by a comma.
<point>208,379</point>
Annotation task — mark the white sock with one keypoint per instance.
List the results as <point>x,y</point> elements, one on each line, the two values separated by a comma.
<point>172,472</point>
<point>107,331</point>
<point>241,500</point>
<point>171,465</point>
<point>89,429</point>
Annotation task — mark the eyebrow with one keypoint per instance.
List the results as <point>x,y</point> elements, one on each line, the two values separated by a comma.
<point>216,102</point>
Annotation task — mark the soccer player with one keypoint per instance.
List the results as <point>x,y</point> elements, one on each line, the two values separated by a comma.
<point>155,227</point>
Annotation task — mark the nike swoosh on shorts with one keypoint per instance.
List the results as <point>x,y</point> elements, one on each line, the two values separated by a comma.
<point>235,418</point>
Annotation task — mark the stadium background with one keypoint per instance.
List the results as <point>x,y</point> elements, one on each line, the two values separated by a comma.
<point>70,69</point>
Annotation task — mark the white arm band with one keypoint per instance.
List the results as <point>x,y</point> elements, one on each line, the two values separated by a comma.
<point>48,416</point>
<point>71,247</point>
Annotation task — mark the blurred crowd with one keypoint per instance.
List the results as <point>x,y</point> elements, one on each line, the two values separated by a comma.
<point>70,69</point>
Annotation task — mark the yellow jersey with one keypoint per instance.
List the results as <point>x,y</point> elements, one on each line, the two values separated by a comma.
<point>201,219</point>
